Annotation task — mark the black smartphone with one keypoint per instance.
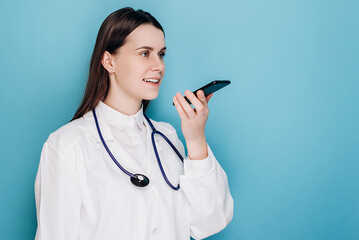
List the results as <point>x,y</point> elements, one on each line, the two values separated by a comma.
<point>211,88</point>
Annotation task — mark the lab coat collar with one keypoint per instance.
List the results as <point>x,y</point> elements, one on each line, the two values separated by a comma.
<point>104,127</point>
<point>122,121</point>
<point>104,122</point>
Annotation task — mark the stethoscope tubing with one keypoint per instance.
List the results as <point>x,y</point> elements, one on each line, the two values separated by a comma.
<point>135,177</point>
<point>107,149</point>
<point>158,158</point>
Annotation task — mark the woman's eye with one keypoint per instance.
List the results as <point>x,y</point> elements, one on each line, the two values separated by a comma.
<point>145,54</point>
<point>162,54</point>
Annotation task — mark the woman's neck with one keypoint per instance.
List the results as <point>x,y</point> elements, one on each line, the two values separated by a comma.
<point>122,103</point>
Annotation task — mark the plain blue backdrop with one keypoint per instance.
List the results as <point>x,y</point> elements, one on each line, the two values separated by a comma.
<point>285,131</point>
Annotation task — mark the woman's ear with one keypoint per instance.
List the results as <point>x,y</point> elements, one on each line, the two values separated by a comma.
<point>107,62</point>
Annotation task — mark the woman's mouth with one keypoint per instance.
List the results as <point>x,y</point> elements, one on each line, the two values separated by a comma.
<point>152,81</point>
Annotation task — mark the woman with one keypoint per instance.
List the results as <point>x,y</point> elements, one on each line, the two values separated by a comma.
<point>82,194</point>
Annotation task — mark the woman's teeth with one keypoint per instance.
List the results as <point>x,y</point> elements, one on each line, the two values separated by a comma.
<point>151,80</point>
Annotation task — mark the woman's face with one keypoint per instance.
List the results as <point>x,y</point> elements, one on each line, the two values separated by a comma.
<point>139,66</point>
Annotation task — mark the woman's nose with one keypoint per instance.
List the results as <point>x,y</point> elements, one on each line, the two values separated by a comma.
<point>157,64</point>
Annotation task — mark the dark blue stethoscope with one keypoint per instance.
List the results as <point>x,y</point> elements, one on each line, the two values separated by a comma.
<point>141,180</point>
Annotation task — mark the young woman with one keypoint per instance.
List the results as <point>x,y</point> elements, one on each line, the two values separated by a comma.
<point>85,186</point>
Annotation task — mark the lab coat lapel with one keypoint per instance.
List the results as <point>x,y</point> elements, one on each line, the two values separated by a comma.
<point>121,155</point>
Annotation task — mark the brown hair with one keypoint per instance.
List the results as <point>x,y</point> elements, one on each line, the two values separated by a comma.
<point>111,36</point>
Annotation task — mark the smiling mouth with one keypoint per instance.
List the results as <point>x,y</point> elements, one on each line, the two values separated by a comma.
<point>151,80</point>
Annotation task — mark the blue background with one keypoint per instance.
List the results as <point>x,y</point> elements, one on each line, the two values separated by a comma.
<point>285,131</point>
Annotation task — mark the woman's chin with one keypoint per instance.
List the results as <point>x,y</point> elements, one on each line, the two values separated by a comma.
<point>151,97</point>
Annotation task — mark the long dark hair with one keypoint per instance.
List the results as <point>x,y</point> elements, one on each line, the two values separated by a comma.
<point>111,36</point>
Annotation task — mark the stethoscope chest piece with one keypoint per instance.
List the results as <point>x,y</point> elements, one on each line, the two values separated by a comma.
<point>140,180</point>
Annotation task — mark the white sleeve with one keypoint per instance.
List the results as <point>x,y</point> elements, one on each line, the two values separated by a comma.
<point>57,196</point>
<point>206,187</point>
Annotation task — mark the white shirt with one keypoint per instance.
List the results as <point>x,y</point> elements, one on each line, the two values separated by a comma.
<point>81,194</point>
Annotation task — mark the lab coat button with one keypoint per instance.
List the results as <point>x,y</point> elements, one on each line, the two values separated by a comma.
<point>155,231</point>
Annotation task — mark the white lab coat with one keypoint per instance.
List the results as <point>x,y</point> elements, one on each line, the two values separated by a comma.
<point>81,194</point>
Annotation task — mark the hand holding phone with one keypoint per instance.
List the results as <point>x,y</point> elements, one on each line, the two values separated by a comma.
<point>193,119</point>
<point>210,88</point>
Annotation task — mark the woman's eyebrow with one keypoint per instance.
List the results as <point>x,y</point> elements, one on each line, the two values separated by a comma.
<point>150,48</point>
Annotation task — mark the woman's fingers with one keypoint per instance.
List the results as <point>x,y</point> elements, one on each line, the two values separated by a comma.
<point>181,112</point>
<point>209,97</point>
<point>197,103</point>
<point>203,98</point>
<point>185,105</point>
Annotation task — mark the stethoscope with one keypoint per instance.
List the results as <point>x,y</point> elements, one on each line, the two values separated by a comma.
<point>141,180</point>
